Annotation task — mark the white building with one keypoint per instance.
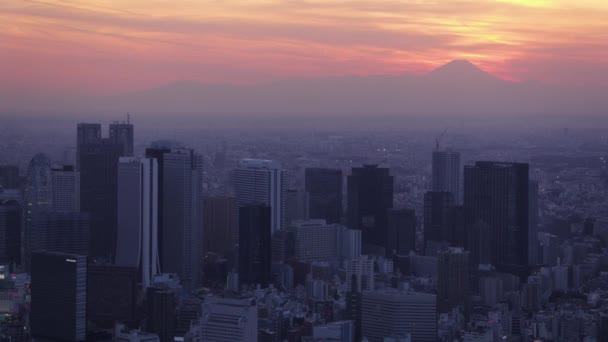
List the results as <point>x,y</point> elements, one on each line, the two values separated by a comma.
<point>362,268</point>
<point>137,242</point>
<point>226,320</point>
<point>121,334</point>
<point>348,243</point>
<point>259,181</point>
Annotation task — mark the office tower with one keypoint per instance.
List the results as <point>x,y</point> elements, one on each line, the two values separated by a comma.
<point>112,294</point>
<point>98,194</point>
<point>315,240</point>
<point>38,197</point>
<point>66,189</point>
<point>446,172</point>
<point>137,242</point>
<point>261,181</point>
<point>401,231</point>
<point>453,279</point>
<point>387,313</point>
<point>497,194</point>
<point>182,240</point>
<point>324,190</point>
<point>353,304</point>
<point>61,231</point>
<point>295,206</point>
<point>160,313</point>
<point>227,320</point>
<point>437,217</point>
<point>86,134</point>
<point>59,296</point>
<point>348,243</point>
<point>361,270</point>
<point>122,133</point>
<point>9,177</point>
<point>11,217</point>
<point>370,195</point>
<point>255,246</point>
<point>219,224</point>
<point>533,244</point>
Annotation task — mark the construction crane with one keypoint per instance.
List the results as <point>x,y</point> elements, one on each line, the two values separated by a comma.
<point>439,137</point>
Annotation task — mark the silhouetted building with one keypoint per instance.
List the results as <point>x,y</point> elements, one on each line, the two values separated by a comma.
<point>533,244</point>
<point>446,173</point>
<point>86,134</point>
<point>10,232</point>
<point>255,250</point>
<point>296,206</point>
<point>9,177</point>
<point>38,198</point>
<point>62,232</point>
<point>161,306</point>
<point>353,306</point>
<point>315,240</point>
<point>401,231</point>
<point>497,194</point>
<point>370,195</point>
<point>137,242</point>
<point>219,224</point>
<point>261,181</point>
<point>112,293</point>
<point>98,193</point>
<point>437,217</point>
<point>182,240</point>
<point>453,279</point>
<point>123,133</point>
<point>66,189</point>
<point>324,190</point>
<point>59,296</point>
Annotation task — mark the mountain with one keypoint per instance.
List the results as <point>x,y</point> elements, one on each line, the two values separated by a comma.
<point>457,87</point>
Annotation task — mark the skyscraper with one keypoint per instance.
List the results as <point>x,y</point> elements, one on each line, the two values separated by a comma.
<point>219,223</point>
<point>496,194</point>
<point>122,133</point>
<point>160,313</point>
<point>446,172</point>
<point>59,296</point>
<point>38,197</point>
<point>86,134</point>
<point>137,243</point>
<point>66,189</point>
<point>387,313</point>
<point>401,231</point>
<point>360,273</point>
<point>453,279</point>
<point>533,244</point>
<point>98,193</point>
<point>112,294</point>
<point>437,217</point>
<point>182,240</point>
<point>9,177</point>
<point>61,231</point>
<point>370,195</point>
<point>315,240</point>
<point>261,181</point>
<point>255,245</point>
<point>324,189</point>
<point>10,232</point>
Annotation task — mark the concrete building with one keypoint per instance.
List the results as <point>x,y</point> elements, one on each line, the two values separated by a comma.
<point>226,320</point>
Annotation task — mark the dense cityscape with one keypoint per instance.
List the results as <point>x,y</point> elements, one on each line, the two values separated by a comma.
<point>435,234</point>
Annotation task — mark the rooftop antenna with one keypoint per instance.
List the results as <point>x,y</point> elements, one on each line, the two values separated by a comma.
<point>128,118</point>
<point>438,138</point>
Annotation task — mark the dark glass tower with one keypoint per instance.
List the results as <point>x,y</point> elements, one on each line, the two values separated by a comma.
<point>59,296</point>
<point>401,231</point>
<point>98,194</point>
<point>86,133</point>
<point>324,190</point>
<point>453,279</point>
<point>496,194</point>
<point>122,133</point>
<point>63,232</point>
<point>255,245</point>
<point>437,216</point>
<point>9,177</point>
<point>11,217</point>
<point>370,195</point>
<point>160,313</point>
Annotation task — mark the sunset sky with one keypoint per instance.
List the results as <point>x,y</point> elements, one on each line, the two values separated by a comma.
<point>111,46</point>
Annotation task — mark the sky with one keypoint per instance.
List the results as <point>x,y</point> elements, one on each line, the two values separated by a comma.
<point>114,46</point>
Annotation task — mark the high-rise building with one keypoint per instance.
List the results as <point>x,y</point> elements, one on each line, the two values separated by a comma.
<point>10,232</point>
<point>38,197</point>
<point>453,279</point>
<point>182,240</point>
<point>361,270</point>
<point>255,245</point>
<point>496,194</point>
<point>219,224</point>
<point>98,193</point>
<point>227,320</point>
<point>112,294</point>
<point>446,172</point>
<point>437,217</point>
<point>59,296</point>
<point>66,189</point>
<point>315,240</point>
<point>533,243</point>
<point>61,231</point>
<point>370,195</point>
<point>258,181</point>
<point>387,313</point>
<point>137,242</point>
<point>122,133</point>
<point>9,177</point>
<point>86,134</point>
<point>324,190</point>
<point>348,243</point>
<point>296,206</point>
<point>401,231</point>
<point>160,313</point>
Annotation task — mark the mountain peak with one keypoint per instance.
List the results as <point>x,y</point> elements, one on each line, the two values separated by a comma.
<point>460,69</point>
